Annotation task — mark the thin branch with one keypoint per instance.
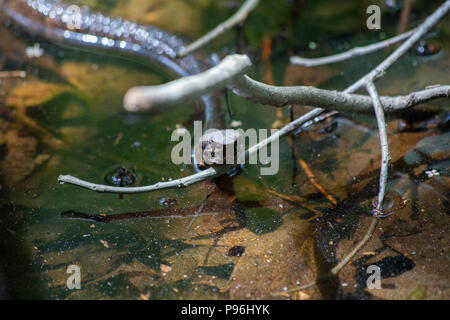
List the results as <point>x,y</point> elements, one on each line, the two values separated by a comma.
<point>235,19</point>
<point>340,265</point>
<point>165,96</point>
<point>426,26</point>
<point>352,53</point>
<point>383,142</point>
<point>259,92</point>
<point>178,183</point>
<point>430,22</point>
<point>315,183</point>
<point>313,116</point>
<point>291,141</point>
<point>290,127</point>
<point>358,247</point>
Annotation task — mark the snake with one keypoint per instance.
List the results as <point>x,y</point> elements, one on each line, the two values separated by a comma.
<point>79,26</point>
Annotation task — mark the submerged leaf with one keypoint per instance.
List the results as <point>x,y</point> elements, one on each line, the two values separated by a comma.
<point>35,93</point>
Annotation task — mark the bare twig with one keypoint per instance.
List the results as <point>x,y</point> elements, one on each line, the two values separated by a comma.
<point>237,18</point>
<point>430,22</point>
<point>426,26</point>
<point>178,183</point>
<point>165,96</point>
<point>383,142</point>
<point>291,141</point>
<point>358,247</point>
<point>352,53</point>
<point>259,92</point>
<point>13,74</point>
<point>316,184</point>
<point>229,73</point>
<point>197,212</point>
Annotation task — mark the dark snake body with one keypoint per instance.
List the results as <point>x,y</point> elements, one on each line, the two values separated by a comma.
<point>51,19</point>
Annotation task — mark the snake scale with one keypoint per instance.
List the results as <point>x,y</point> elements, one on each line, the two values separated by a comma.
<point>53,20</point>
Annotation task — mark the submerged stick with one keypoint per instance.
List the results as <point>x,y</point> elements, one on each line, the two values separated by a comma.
<point>315,183</point>
<point>340,265</point>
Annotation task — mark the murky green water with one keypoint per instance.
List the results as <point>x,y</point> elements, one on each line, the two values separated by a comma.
<point>86,133</point>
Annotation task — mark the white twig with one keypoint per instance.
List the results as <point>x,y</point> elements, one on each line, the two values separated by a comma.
<point>178,183</point>
<point>168,95</point>
<point>383,181</point>
<point>235,19</point>
<point>429,23</point>
<point>352,53</point>
<point>426,26</point>
<point>379,113</point>
<point>340,265</point>
<point>172,93</point>
<point>331,100</point>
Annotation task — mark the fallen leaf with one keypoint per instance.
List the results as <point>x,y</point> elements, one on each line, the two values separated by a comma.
<point>34,93</point>
<point>165,268</point>
<point>104,243</point>
<point>144,296</point>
